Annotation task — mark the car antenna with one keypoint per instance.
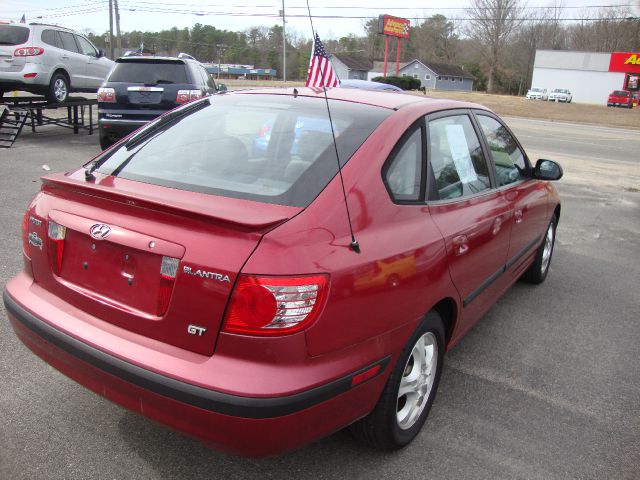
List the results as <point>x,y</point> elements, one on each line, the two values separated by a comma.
<point>354,245</point>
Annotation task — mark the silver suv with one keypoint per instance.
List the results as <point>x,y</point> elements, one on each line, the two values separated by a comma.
<point>49,60</point>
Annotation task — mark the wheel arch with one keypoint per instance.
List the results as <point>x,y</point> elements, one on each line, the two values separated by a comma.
<point>448,310</point>
<point>64,72</point>
<point>556,212</point>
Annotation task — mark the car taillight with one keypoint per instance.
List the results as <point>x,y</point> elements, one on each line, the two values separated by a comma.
<point>25,233</point>
<point>275,305</point>
<point>56,234</point>
<point>168,270</point>
<point>106,95</point>
<point>185,96</point>
<point>28,52</point>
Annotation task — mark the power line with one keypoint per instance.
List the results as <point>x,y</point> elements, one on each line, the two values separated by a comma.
<point>360,7</point>
<point>66,7</point>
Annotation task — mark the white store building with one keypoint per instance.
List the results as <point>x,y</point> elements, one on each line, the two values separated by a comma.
<point>590,76</point>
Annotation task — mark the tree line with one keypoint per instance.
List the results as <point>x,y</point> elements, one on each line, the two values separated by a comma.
<point>496,41</point>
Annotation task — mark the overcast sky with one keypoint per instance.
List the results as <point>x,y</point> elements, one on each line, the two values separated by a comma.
<point>238,15</point>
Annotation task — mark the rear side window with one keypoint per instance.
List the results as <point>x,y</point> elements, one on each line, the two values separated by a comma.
<point>268,148</point>
<point>50,37</point>
<point>456,157</point>
<point>151,72</point>
<point>13,35</point>
<point>404,174</point>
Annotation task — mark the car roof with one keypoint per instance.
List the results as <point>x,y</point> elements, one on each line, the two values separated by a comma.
<point>366,84</point>
<point>379,98</point>
<point>147,58</point>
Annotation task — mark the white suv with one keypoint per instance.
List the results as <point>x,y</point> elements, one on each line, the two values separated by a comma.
<point>49,60</point>
<point>537,94</point>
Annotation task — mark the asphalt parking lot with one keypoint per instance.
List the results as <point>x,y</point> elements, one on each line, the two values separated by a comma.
<point>546,386</point>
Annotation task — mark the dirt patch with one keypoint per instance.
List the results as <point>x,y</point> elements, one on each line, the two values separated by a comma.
<point>510,106</point>
<point>571,112</point>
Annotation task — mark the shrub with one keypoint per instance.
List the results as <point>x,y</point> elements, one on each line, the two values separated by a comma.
<point>405,83</point>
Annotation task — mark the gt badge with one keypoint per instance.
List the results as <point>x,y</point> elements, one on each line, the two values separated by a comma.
<point>196,330</point>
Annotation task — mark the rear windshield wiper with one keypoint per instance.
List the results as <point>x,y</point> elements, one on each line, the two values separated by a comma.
<point>160,81</point>
<point>152,130</point>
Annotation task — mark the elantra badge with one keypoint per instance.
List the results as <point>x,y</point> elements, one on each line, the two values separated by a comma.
<point>206,274</point>
<point>100,231</point>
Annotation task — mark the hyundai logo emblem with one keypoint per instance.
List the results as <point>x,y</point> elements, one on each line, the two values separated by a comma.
<point>100,231</point>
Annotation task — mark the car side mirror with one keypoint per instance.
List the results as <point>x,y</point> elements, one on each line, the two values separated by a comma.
<point>547,170</point>
<point>100,53</point>
<point>221,87</point>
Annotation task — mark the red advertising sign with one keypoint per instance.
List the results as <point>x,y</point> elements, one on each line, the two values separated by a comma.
<point>394,26</point>
<point>625,62</point>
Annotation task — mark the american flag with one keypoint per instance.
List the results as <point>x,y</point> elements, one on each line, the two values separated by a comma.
<point>320,73</point>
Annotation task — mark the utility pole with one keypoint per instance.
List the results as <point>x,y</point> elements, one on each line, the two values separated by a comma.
<point>119,44</point>
<point>284,47</point>
<point>111,29</point>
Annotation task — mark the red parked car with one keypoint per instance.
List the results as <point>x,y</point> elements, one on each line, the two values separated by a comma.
<point>620,98</point>
<point>217,288</point>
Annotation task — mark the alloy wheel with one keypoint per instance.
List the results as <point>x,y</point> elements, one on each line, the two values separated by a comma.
<point>417,381</point>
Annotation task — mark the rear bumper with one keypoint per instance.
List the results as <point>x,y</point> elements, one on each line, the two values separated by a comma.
<point>15,80</point>
<point>245,425</point>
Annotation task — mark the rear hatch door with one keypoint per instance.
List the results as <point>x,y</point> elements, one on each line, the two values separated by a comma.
<point>157,261</point>
<point>145,88</point>
<point>11,38</point>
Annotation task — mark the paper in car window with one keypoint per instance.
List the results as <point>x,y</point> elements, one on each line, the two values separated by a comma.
<point>460,153</point>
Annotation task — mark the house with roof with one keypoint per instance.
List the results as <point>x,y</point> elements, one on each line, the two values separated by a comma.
<point>378,69</point>
<point>349,67</point>
<point>438,76</point>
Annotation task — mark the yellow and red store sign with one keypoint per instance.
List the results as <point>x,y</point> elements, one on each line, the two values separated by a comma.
<point>394,26</point>
<point>625,62</point>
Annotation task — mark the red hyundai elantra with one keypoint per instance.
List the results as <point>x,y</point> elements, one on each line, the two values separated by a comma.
<point>215,273</point>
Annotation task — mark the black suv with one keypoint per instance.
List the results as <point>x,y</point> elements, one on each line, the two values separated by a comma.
<point>141,88</point>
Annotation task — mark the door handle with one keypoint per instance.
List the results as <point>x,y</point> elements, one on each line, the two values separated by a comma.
<point>460,245</point>
<point>65,57</point>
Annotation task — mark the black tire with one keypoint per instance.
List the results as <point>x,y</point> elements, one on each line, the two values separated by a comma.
<point>539,269</point>
<point>381,428</point>
<point>58,91</point>
<point>105,142</point>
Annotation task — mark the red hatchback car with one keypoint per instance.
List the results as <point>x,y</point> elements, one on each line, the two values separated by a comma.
<point>216,287</point>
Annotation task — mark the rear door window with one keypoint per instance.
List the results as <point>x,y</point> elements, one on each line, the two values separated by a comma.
<point>270,148</point>
<point>151,72</point>
<point>13,35</point>
<point>69,42</point>
<point>457,162</point>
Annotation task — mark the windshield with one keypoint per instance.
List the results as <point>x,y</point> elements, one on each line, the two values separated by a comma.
<point>269,148</point>
<point>536,89</point>
<point>151,72</point>
<point>13,35</point>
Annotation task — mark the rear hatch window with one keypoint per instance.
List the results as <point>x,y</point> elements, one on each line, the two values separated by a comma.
<point>620,93</point>
<point>267,148</point>
<point>13,35</point>
<point>149,72</point>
